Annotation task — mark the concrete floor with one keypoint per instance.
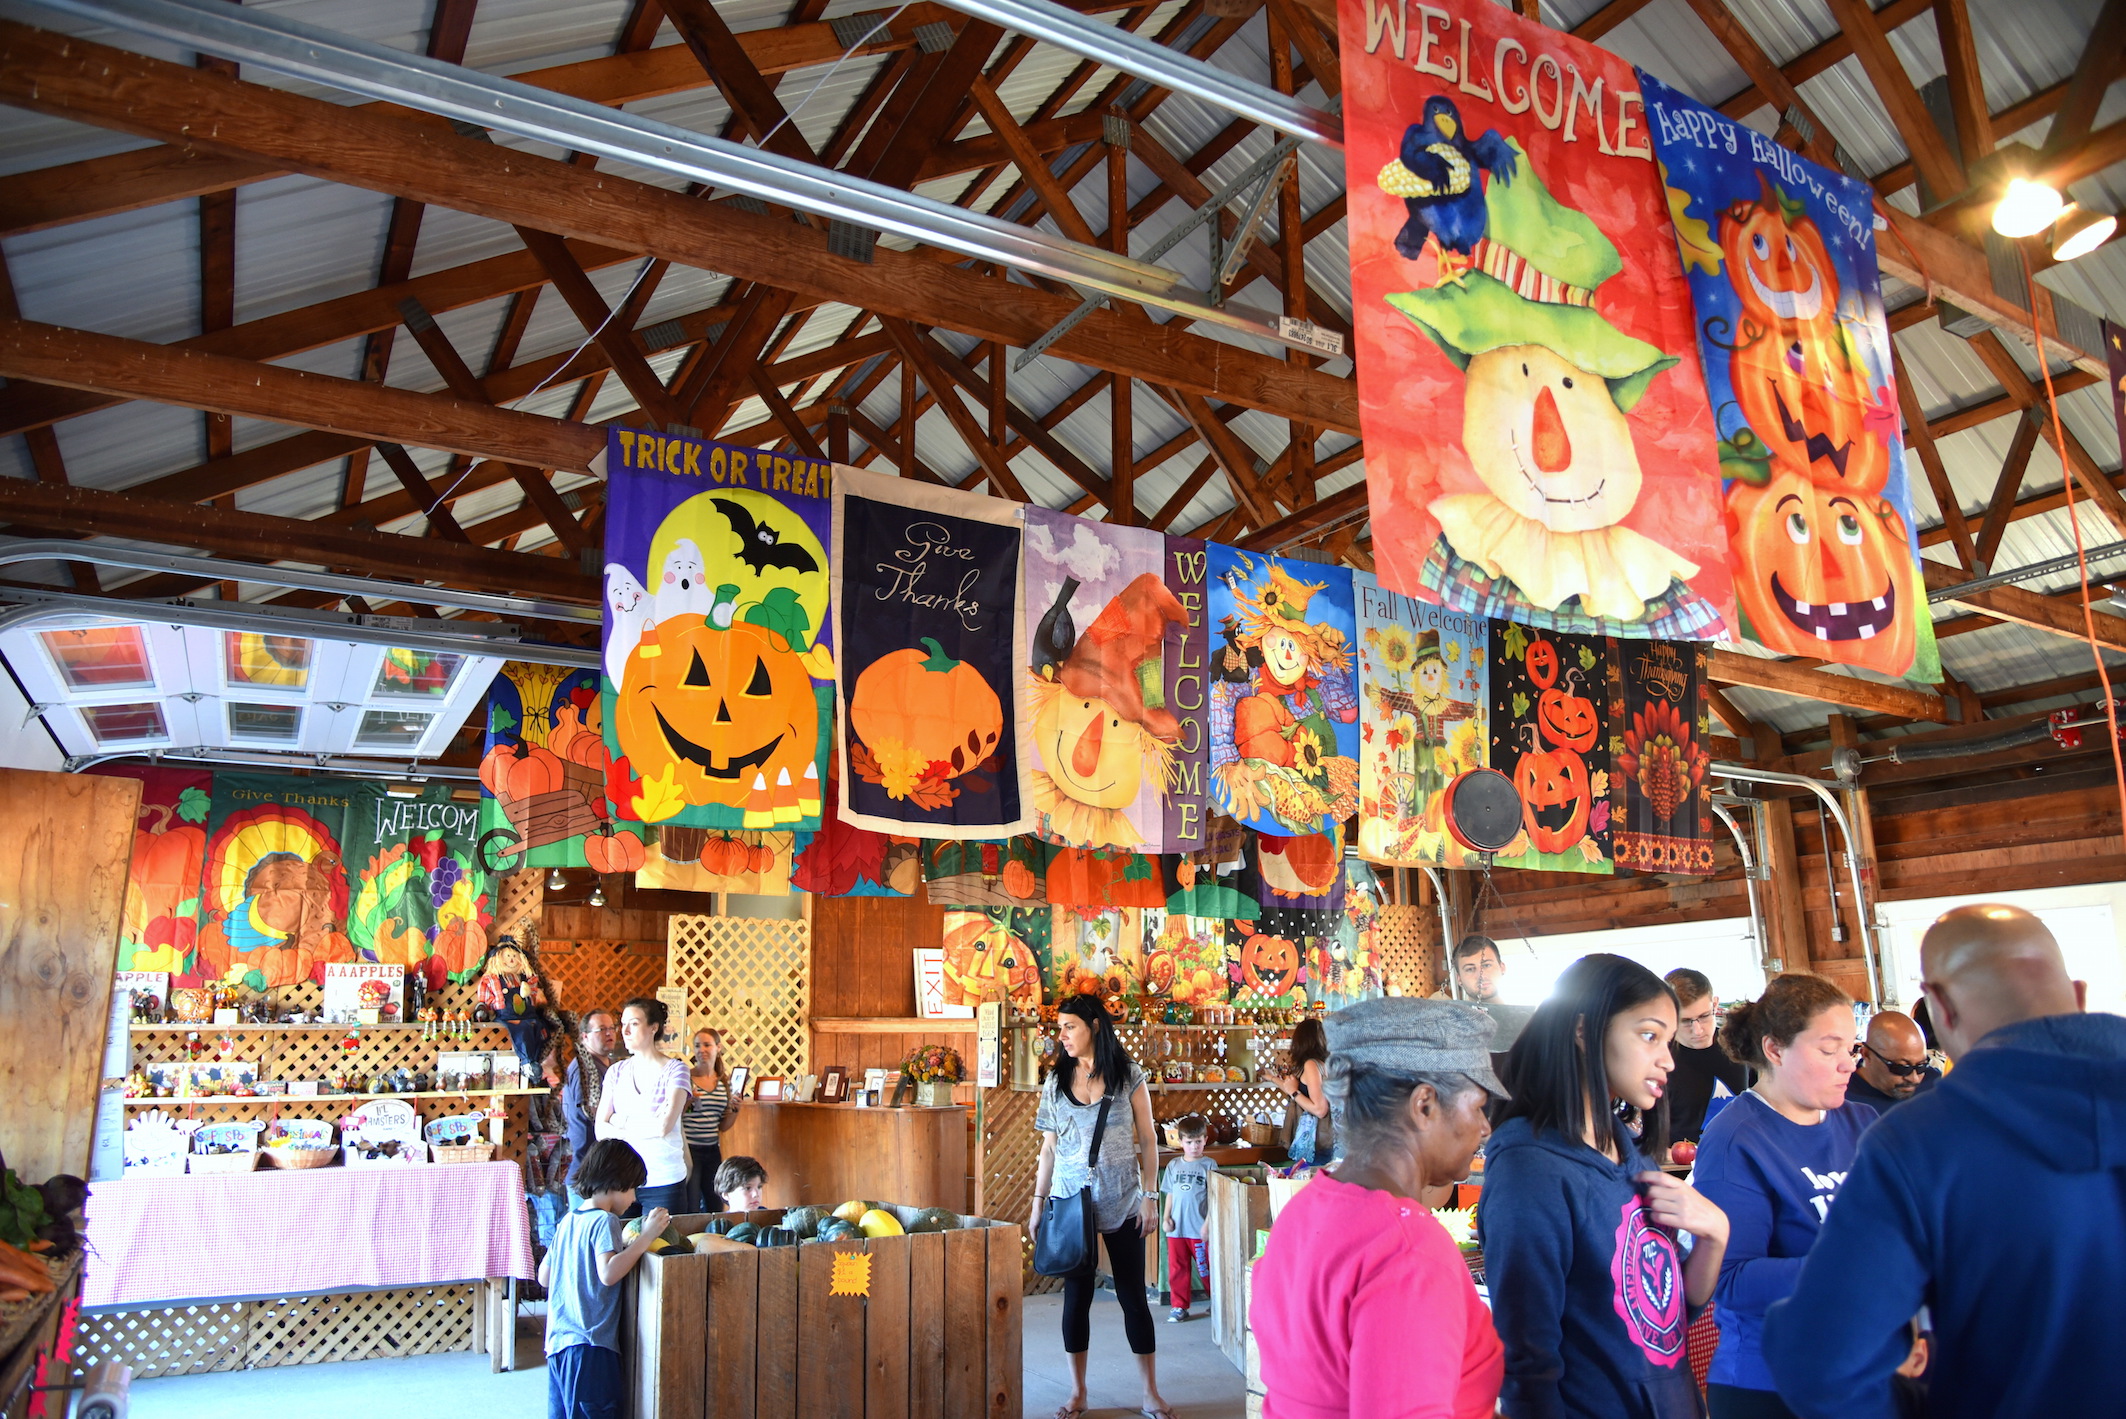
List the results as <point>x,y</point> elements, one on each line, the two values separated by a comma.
<point>1193,1373</point>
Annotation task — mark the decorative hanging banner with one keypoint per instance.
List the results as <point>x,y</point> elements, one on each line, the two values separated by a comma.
<point>1346,967</point>
<point>1188,798</point>
<point>696,860</point>
<point>547,775</point>
<point>1094,952</point>
<point>928,611</point>
<point>1549,694</point>
<point>1780,256</point>
<point>418,896</point>
<point>995,954</point>
<point>160,923</point>
<point>1423,721</point>
<point>718,658</point>
<point>1265,961</point>
<point>1103,879</point>
<point>274,892</point>
<point>842,861</point>
<point>1284,693</point>
<point>964,873</point>
<point>1510,257</point>
<point>1305,872</point>
<point>1185,958</point>
<point>1104,633</point>
<point>1661,811</point>
<point>2115,356</point>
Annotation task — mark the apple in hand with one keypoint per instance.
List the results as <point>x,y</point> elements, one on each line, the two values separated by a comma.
<point>1683,1151</point>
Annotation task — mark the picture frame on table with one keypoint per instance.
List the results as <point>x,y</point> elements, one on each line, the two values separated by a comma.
<point>901,1085</point>
<point>740,1075</point>
<point>769,1089</point>
<point>834,1085</point>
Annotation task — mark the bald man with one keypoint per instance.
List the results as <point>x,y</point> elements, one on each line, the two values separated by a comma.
<point>1893,1063</point>
<point>1997,1200</point>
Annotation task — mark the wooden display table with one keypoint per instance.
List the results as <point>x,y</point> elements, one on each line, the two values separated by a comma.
<point>831,1153</point>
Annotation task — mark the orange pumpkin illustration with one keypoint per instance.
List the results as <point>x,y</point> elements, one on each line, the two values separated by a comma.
<point>1818,566</point>
<point>935,708</point>
<point>1269,964</point>
<point>1554,797</point>
<point>715,708</point>
<point>608,851</point>
<point>1543,663</point>
<point>1567,720</point>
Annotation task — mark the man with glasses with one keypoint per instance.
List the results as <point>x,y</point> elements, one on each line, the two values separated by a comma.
<point>1703,1071</point>
<point>1893,1063</point>
<point>581,1090</point>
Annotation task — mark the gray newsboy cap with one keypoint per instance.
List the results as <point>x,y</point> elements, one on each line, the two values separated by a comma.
<point>1407,1036</point>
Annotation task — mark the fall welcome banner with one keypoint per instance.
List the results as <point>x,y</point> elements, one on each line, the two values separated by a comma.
<point>1540,448</point>
<point>1424,719</point>
<point>1780,255</point>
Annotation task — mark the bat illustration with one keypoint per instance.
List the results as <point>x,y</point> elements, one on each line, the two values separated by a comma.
<point>763,547</point>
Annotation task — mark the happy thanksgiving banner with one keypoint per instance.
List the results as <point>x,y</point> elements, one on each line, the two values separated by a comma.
<point>1539,446</point>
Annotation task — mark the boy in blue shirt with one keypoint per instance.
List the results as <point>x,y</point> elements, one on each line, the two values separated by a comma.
<point>1187,1188</point>
<point>582,1273</point>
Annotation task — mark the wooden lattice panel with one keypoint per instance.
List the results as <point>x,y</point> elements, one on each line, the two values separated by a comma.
<point>1408,938</point>
<point>1009,1167</point>
<point>165,1340</point>
<point>520,898</point>
<point>363,1325</point>
<point>598,975</point>
<point>750,978</point>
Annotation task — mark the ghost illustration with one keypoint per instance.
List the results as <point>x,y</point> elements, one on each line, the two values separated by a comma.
<point>683,590</point>
<point>631,610</point>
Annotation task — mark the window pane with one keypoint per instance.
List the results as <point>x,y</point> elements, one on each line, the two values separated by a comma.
<point>391,729</point>
<point>113,724</point>
<point>100,657</point>
<point>415,674</point>
<point>283,723</point>
<point>279,661</point>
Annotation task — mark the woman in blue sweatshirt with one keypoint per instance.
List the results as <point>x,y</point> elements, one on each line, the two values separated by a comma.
<point>1773,1160</point>
<point>1590,1293</point>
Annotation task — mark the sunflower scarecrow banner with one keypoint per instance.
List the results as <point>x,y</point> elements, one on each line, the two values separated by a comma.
<point>1511,259</point>
<point>1284,693</point>
<point>1424,719</point>
<point>927,611</point>
<point>1105,633</point>
<point>719,665</point>
<point>1549,734</point>
<point>1661,809</point>
<point>1780,257</point>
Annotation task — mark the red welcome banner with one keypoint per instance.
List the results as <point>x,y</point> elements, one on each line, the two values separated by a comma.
<point>1538,441</point>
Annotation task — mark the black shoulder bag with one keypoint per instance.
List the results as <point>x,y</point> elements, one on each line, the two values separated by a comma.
<point>1069,1225</point>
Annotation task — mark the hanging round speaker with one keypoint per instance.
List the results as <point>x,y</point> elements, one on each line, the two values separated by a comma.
<point>1483,810</point>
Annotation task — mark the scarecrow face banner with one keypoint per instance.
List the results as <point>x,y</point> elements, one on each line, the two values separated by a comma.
<point>1549,734</point>
<point>1539,443</point>
<point>1103,626</point>
<point>1781,259</point>
<point>1284,693</point>
<point>1423,720</point>
<point>1660,803</point>
<point>718,666</point>
<point>931,688</point>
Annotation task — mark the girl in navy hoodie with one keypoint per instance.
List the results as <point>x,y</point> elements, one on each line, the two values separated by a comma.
<point>1589,1288</point>
<point>1773,1160</point>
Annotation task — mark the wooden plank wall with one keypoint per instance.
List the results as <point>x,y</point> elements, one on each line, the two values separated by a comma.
<point>862,969</point>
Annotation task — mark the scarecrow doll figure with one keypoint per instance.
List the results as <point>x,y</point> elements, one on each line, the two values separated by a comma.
<point>1273,746</point>
<point>510,987</point>
<point>1548,384</point>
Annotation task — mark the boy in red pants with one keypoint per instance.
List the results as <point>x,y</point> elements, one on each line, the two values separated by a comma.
<point>1188,1193</point>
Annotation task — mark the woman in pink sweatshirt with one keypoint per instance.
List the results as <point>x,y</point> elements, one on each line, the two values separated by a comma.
<point>1363,1307</point>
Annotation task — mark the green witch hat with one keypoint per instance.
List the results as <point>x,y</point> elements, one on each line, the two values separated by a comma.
<point>1478,311</point>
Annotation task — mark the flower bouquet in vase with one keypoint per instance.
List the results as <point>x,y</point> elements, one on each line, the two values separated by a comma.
<point>935,1069</point>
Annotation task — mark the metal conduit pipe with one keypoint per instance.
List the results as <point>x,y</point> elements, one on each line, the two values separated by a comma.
<point>1749,880</point>
<point>1739,773</point>
<point>64,606</point>
<point>14,550</point>
<point>271,41</point>
<point>1446,929</point>
<point>412,769</point>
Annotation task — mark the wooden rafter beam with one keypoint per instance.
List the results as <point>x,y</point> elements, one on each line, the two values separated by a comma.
<point>1967,88</point>
<point>1938,164</point>
<point>1727,667</point>
<point>1346,505</point>
<point>1923,255</point>
<point>1915,421</point>
<point>622,354</point>
<point>1770,79</point>
<point>2031,396</point>
<point>2092,76</point>
<point>919,353</point>
<point>423,493</point>
<point>2002,509</point>
<point>2060,616</point>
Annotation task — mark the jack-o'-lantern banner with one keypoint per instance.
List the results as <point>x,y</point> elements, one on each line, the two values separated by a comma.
<point>547,775</point>
<point>932,679</point>
<point>1105,634</point>
<point>995,954</point>
<point>719,665</point>
<point>1284,693</point>
<point>1550,734</point>
<point>1661,809</point>
<point>160,923</point>
<point>1424,719</point>
<point>1539,444</point>
<point>1780,255</point>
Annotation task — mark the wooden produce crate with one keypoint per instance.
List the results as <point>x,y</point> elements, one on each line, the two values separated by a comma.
<point>1239,1205</point>
<point>735,1331</point>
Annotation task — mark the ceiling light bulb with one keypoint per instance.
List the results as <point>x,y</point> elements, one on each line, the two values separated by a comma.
<point>2078,231</point>
<point>555,882</point>
<point>2027,209</point>
<point>598,894</point>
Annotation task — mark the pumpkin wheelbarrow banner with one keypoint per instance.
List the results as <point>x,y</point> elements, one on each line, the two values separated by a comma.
<point>1780,256</point>
<point>927,613</point>
<point>718,644</point>
<point>547,775</point>
<point>1511,263</point>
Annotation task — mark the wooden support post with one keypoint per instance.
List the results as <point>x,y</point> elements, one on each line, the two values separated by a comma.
<point>1861,818</point>
<point>1123,433</point>
<point>1785,917</point>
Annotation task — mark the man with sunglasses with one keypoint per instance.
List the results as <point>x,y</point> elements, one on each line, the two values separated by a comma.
<point>1893,1063</point>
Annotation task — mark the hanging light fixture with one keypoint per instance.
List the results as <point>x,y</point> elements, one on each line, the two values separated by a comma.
<point>597,894</point>
<point>555,882</point>
<point>2027,208</point>
<point>2077,231</point>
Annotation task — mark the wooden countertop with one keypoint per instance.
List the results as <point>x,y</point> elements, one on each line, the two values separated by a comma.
<point>852,1108</point>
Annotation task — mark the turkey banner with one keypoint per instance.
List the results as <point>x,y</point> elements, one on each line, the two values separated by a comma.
<point>1780,256</point>
<point>1423,721</point>
<point>1104,634</point>
<point>719,665</point>
<point>932,696</point>
<point>1550,735</point>
<point>1539,444</point>
<point>1660,805</point>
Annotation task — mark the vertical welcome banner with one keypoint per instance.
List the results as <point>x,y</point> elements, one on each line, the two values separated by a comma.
<point>1780,255</point>
<point>931,701</point>
<point>1424,719</point>
<point>1188,695</point>
<point>718,661</point>
<point>1539,445</point>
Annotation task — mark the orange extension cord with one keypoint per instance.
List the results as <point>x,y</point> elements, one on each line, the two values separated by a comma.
<point>2059,444</point>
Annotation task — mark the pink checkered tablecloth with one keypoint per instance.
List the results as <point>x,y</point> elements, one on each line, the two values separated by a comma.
<point>303,1233</point>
